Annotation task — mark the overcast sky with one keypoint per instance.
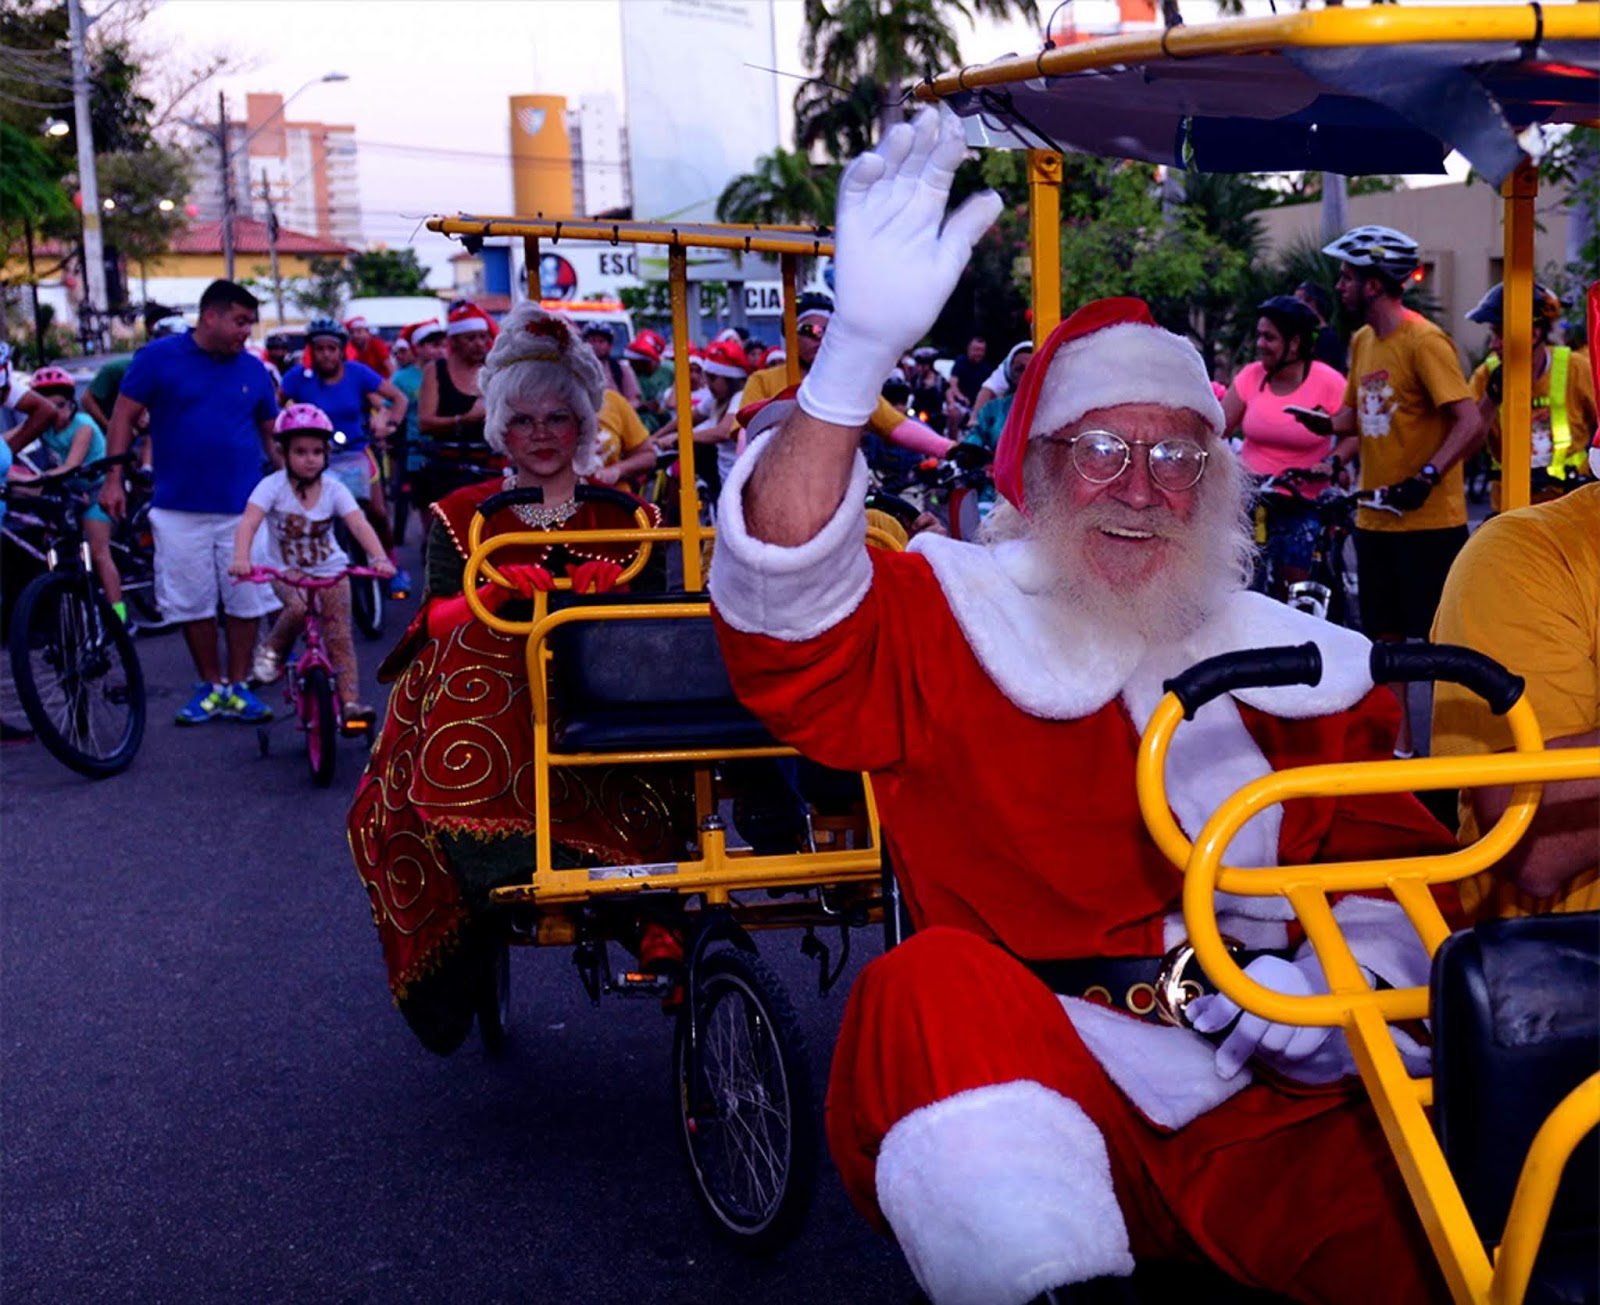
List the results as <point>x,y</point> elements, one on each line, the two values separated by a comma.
<point>429,80</point>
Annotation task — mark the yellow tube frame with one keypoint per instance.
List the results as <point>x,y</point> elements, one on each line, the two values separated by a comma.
<point>1352,1004</point>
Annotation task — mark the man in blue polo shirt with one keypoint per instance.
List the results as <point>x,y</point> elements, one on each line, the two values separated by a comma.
<point>211,407</point>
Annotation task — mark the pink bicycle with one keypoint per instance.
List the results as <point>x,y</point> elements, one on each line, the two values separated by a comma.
<point>310,686</point>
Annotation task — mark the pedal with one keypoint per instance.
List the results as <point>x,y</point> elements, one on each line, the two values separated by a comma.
<point>636,983</point>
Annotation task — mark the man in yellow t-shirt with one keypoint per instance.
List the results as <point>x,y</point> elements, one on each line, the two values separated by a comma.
<point>624,442</point>
<point>1571,424</point>
<point>886,421</point>
<point>1408,412</point>
<point>1526,591</point>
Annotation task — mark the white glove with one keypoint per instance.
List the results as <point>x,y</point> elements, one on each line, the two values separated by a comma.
<point>893,265</point>
<point>1300,1052</point>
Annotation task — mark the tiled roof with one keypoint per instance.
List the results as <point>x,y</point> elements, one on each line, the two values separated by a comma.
<point>250,237</point>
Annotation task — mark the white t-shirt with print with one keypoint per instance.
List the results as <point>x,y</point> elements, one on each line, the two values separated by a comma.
<point>301,538</point>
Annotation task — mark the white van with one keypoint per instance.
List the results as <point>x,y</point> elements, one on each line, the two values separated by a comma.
<point>387,314</point>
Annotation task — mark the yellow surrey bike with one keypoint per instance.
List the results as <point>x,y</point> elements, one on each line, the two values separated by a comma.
<point>1497,1148</point>
<point>638,680</point>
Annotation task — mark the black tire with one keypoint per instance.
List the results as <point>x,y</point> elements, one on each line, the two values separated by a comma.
<point>321,720</point>
<point>78,675</point>
<point>494,1000</point>
<point>747,1122</point>
<point>368,594</point>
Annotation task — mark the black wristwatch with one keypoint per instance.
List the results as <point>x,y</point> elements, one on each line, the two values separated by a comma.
<point>1430,473</point>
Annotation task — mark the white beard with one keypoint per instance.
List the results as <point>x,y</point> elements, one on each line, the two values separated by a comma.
<point>1208,556</point>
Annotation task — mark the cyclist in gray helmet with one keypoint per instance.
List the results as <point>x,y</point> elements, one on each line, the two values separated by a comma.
<point>1410,415</point>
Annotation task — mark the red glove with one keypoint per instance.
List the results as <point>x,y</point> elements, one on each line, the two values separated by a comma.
<point>446,614</point>
<point>596,577</point>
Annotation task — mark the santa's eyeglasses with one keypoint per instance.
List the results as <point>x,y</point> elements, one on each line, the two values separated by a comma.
<point>1100,456</point>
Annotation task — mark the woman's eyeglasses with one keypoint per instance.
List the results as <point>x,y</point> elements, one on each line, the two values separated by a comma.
<point>558,424</point>
<point>1100,456</point>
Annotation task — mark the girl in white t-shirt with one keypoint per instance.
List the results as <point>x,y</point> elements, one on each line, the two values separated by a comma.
<point>301,506</point>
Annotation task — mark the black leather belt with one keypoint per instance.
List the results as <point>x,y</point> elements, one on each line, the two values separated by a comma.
<point>1152,987</point>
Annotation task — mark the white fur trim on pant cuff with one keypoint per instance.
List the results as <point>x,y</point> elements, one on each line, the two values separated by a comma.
<point>1000,1193</point>
<point>792,594</point>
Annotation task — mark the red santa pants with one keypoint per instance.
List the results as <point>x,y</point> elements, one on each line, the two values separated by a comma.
<point>1296,1194</point>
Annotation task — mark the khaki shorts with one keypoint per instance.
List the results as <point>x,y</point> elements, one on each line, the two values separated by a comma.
<point>193,550</point>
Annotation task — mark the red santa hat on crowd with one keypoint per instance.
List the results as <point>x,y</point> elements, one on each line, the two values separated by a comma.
<point>466,316</point>
<point>1107,353</point>
<point>357,321</point>
<point>726,358</point>
<point>420,332</point>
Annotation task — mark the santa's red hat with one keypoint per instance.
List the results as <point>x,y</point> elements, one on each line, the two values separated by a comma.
<point>1107,353</point>
<point>466,316</point>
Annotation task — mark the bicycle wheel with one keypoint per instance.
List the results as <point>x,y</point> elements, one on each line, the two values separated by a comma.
<point>78,675</point>
<point>494,1000</point>
<point>748,1125</point>
<point>321,720</point>
<point>366,605</point>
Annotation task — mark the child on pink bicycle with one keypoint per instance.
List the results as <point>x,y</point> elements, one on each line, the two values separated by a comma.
<point>302,507</point>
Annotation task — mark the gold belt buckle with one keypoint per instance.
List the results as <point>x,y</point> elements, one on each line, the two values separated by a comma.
<point>1173,990</point>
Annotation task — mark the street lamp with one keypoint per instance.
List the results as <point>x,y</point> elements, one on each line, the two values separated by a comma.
<point>56,127</point>
<point>220,138</point>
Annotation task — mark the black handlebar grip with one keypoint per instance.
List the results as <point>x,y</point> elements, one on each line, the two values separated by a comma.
<point>509,498</point>
<point>1397,662</point>
<point>1253,668</point>
<point>605,494</point>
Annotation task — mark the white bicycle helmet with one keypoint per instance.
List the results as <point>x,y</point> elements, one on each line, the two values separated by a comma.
<point>1383,249</point>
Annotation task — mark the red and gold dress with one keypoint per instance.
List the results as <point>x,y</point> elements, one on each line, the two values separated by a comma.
<point>445,810</point>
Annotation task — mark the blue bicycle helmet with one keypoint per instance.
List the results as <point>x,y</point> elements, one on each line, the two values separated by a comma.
<point>327,326</point>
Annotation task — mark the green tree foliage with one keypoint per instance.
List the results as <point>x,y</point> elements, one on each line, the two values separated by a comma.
<point>323,292</point>
<point>387,272</point>
<point>785,188</point>
<point>887,46</point>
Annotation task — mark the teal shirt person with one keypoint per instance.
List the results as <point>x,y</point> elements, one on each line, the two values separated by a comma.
<point>985,433</point>
<point>60,442</point>
<point>408,380</point>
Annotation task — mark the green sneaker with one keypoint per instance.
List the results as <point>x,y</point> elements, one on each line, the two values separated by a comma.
<point>207,703</point>
<point>240,704</point>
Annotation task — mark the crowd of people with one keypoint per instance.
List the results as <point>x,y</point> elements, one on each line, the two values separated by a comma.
<point>1013,1134</point>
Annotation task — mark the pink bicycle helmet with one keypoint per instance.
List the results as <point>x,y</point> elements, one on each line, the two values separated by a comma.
<point>51,380</point>
<point>302,419</point>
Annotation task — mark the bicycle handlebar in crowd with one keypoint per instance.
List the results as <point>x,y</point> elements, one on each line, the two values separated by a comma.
<point>1254,668</point>
<point>263,574</point>
<point>1394,663</point>
<point>534,495</point>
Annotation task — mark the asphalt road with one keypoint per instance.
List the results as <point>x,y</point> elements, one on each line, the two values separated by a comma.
<point>205,1093</point>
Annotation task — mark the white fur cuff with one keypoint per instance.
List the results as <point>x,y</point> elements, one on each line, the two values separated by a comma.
<point>1000,1193</point>
<point>792,594</point>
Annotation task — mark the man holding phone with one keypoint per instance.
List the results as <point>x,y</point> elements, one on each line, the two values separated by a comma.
<point>1410,415</point>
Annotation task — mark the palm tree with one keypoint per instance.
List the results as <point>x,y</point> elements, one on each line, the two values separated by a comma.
<point>891,42</point>
<point>838,122</point>
<point>786,187</point>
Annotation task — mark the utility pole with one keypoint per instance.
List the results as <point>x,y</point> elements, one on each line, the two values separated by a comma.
<point>272,246</point>
<point>1335,207</point>
<point>94,264</point>
<point>227,185</point>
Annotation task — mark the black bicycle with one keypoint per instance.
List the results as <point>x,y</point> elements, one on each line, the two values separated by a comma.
<point>1332,590</point>
<point>76,669</point>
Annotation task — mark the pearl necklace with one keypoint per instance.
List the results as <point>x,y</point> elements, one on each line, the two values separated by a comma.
<point>541,516</point>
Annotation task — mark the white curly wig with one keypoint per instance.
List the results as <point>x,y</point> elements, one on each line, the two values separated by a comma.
<point>539,357</point>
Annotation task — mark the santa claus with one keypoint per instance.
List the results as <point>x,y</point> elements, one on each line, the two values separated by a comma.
<point>1002,1100</point>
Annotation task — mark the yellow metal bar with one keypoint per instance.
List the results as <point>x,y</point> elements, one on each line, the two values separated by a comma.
<point>1427,1176</point>
<point>1567,1125</point>
<point>650,757</point>
<point>1516,363</point>
<point>478,560</point>
<point>1044,240</point>
<point>530,267</point>
<point>791,320</point>
<point>1340,26</point>
<point>802,241</point>
<point>688,491</point>
<point>1150,781</point>
<point>720,872</point>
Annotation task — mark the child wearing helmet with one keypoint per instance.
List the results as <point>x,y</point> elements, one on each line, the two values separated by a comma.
<point>74,440</point>
<point>301,505</point>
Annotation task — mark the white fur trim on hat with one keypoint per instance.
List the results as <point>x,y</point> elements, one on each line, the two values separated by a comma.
<point>1126,363</point>
<point>730,370</point>
<point>1000,1193</point>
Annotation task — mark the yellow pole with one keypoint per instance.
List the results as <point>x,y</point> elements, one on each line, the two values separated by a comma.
<point>1044,240</point>
<point>530,267</point>
<point>1516,403</point>
<point>688,496</point>
<point>791,322</point>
